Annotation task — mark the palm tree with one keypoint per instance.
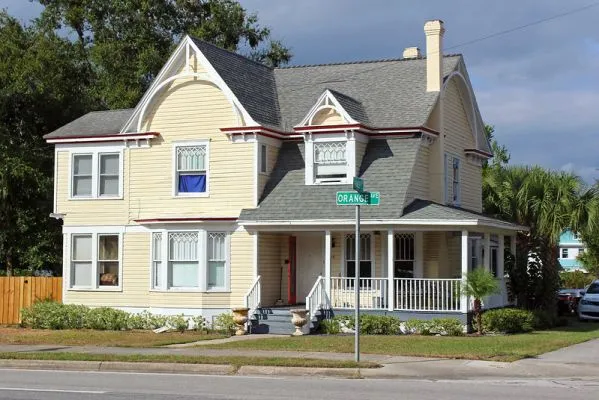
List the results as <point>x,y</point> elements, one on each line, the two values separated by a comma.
<point>479,284</point>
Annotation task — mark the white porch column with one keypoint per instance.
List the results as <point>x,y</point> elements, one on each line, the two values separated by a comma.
<point>390,270</point>
<point>501,268</point>
<point>464,254</point>
<point>487,251</point>
<point>327,262</point>
<point>501,257</point>
<point>255,239</point>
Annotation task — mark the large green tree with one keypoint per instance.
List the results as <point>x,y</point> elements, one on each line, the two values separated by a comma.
<point>126,42</point>
<point>40,89</point>
<point>545,201</point>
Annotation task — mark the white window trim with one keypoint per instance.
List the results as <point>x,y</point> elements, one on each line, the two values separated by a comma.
<point>95,286</point>
<point>95,184</point>
<point>372,253</point>
<point>350,156</point>
<point>183,143</point>
<point>262,167</point>
<point>449,200</point>
<point>202,263</point>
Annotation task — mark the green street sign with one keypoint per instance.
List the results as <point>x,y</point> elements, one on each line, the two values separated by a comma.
<point>358,184</point>
<point>358,199</point>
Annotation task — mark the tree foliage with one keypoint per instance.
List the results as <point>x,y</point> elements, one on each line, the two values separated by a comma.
<point>479,284</point>
<point>80,56</point>
<point>126,42</point>
<point>547,202</point>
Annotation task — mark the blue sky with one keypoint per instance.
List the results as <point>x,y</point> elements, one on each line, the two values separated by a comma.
<point>539,86</point>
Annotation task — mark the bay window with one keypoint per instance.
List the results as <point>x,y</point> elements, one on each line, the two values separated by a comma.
<point>95,261</point>
<point>190,260</point>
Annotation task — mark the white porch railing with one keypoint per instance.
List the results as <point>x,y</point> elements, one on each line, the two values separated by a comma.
<point>317,299</point>
<point>373,293</point>
<point>253,296</point>
<point>427,294</point>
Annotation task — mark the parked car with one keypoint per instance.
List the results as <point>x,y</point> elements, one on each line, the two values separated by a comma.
<point>567,301</point>
<point>588,308</point>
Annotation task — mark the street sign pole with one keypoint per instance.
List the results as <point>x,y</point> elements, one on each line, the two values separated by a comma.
<point>357,286</point>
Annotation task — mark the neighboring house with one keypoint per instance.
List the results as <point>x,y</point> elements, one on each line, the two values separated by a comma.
<point>219,188</point>
<point>570,246</point>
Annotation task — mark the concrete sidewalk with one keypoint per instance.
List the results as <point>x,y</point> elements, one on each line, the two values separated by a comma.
<point>393,367</point>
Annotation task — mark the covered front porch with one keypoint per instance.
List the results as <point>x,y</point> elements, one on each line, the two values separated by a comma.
<point>403,270</point>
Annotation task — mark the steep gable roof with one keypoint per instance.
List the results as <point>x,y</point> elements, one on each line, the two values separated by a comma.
<point>386,167</point>
<point>252,83</point>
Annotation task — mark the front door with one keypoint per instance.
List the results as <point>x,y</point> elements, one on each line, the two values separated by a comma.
<point>292,271</point>
<point>310,263</point>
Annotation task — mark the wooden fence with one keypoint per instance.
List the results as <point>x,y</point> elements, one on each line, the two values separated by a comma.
<point>19,292</point>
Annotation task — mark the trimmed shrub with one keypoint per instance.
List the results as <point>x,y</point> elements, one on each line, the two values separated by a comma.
<point>178,322</point>
<point>52,315</point>
<point>418,327</point>
<point>107,319</point>
<point>508,320</point>
<point>224,323</point>
<point>199,323</point>
<point>329,327</point>
<point>435,326</point>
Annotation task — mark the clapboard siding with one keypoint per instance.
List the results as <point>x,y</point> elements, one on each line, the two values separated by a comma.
<point>458,136</point>
<point>270,267</point>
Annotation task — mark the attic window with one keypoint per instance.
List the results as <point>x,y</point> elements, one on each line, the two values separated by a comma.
<point>330,161</point>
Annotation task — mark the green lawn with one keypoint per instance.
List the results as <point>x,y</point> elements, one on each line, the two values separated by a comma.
<point>86,337</point>
<point>236,361</point>
<point>494,348</point>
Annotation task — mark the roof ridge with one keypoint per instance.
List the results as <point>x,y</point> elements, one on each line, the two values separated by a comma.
<point>231,52</point>
<point>113,110</point>
<point>381,60</point>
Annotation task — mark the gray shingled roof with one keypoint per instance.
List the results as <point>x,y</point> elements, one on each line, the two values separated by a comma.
<point>97,123</point>
<point>252,83</point>
<point>353,107</point>
<point>386,168</point>
<point>429,210</point>
<point>392,92</point>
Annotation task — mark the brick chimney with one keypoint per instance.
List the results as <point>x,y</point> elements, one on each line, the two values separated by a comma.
<point>434,31</point>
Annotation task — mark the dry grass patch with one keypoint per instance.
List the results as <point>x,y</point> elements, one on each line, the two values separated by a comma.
<point>86,337</point>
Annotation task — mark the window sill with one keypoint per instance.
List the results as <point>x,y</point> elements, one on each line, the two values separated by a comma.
<point>217,290</point>
<point>263,173</point>
<point>90,289</point>
<point>96,198</point>
<point>191,195</point>
<point>190,290</point>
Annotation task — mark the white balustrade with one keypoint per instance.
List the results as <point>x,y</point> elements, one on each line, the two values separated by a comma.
<point>373,293</point>
<point>427,294</point>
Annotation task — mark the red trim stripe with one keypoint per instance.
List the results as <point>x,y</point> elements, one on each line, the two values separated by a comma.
<point>186,219</point>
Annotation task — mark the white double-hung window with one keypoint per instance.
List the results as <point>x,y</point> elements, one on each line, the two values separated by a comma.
<point>191,169</point>
<point>96,174</point>
<point>195,260</point>
<point>95,261</point>
<point>330,161</point>
<point>453,193</point>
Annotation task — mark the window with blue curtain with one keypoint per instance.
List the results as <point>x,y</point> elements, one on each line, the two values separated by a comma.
<point>191,169</point>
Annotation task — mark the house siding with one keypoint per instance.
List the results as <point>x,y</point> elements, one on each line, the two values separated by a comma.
<point>136,279</point>
<point>458,136</point>
<point>272,153</point>
<point>328,116</point>
<point>270,267</point>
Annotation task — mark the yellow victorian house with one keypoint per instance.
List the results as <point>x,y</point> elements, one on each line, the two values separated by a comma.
<point>219,189</point>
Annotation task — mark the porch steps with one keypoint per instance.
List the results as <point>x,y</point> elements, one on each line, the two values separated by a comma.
<point>276,321</point>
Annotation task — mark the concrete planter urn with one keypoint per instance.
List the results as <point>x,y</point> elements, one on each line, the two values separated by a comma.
<point>299,319</point>
<point>240,317</point>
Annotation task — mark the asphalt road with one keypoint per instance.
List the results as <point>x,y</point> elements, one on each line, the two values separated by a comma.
<point>24,384</point>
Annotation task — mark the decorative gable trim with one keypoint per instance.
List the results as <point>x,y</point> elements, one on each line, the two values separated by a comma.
<point>167,74</point>
<point>326,101</point>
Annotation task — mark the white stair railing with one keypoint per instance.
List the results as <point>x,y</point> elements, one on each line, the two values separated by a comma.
<point>317,299</point>
<point>253,296</point>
